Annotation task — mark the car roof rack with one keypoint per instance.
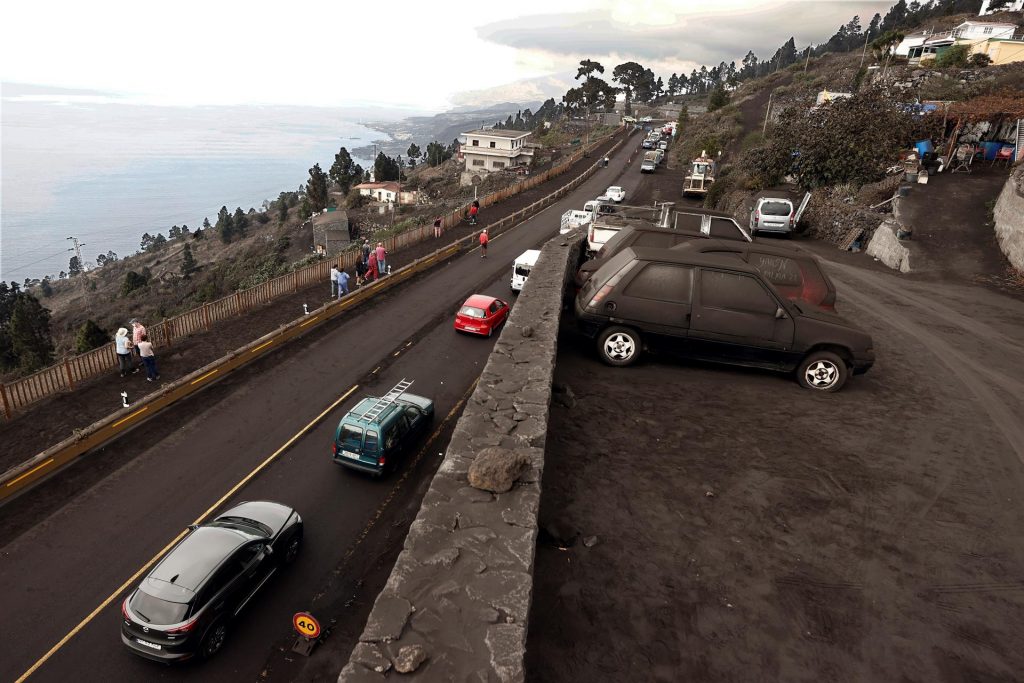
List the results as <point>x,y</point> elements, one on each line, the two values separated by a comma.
<point>374,411</point>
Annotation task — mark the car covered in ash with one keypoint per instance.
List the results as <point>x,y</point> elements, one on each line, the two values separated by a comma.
<point>715,307</point>
<point>185,606</point>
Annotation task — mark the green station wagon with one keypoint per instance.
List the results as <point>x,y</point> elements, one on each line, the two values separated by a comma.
<point>379,432</point>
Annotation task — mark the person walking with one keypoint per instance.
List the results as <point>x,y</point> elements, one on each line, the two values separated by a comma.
<point>366,251</point>
<point>148,358</point>
<point>123,348</point>
<point>382,260</point>
<point>342,283</point>
<point>483,243</point>
<point>371,267</point>
<point>437,227</point>
<point>334,280</point>
<point>473,211</point>
<point>138,331</point>
<point>606,160</point>
<point>360,272</point>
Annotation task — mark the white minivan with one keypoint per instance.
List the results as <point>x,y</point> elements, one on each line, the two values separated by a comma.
<point>521,268</point>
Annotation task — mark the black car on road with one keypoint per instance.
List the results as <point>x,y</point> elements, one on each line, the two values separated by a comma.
<point>185,606</point>
<point>716,307</point>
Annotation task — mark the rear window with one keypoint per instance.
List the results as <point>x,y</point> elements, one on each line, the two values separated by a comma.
<point>351,437</point>
<point>776,208</point>
<point>156,611</point>
<point>472,311</point>
<point>724,228</point>
<point>523,271</point>
<point>779,270</point>
<point>370,445</point>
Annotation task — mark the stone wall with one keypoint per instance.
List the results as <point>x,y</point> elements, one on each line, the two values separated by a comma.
<point>457,602</point>
<point>1009,219</point>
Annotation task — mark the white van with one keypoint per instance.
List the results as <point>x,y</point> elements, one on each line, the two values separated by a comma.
<point>521,268</point>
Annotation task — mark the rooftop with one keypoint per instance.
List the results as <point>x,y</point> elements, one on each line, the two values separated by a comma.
<point>496,133</point>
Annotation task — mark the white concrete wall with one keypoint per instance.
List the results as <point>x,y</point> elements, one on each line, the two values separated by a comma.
<point>1009,218</point>
<point>886,248</point>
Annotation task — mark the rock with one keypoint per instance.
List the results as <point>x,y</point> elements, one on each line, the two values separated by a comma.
<point>387,619</point>
<point>527,331</point>
<point>497,469</point>
<point>409,658</point>
<point>369,656</point>
<point>590,541</point>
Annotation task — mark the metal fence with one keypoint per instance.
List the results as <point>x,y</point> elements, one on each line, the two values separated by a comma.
<point>65,374</point>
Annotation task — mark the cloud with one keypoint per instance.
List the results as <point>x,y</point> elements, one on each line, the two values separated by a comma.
<point>526,90</point>
<point>703,38</point>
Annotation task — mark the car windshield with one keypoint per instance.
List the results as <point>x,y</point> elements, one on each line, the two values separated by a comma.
<point>523,271</point>
<point>351,437</point>
<point>471,312</point>
<point>156,611</point>
<point>244,524</point>
<point>776,208</point>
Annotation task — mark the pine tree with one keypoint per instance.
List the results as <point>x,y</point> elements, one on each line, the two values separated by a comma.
<point>316,190</point>
<point>30,334</point>
<point>74,266</point>
<point>90,336</point>
<point>240,222</point>
<point>225,226</point>
<point>188,261</point>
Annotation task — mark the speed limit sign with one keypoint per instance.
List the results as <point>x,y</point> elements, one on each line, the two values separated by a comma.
<point>306,625</point>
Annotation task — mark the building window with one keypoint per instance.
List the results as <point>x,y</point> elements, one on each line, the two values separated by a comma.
<point>476,143</point>
<point>499,164</point>
<point>478,162</point>
<point>493,144</point>
<point>987,31</point>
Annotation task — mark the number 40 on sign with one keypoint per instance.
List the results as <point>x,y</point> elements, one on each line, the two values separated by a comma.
<point>306,624</point>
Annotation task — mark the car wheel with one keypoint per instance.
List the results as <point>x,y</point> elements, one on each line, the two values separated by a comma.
<point>822,371</point>
<point>291,551</point>
<point>619,346</point>
<point>214,639</point>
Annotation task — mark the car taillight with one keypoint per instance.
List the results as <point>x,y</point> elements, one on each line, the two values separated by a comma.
<point>757,215</point>
<point>124,609</point>
<point>599,296</point>
<point>335,447</point>
<point>184,628</point>
<point>380,461</point>
<point>792,221</point>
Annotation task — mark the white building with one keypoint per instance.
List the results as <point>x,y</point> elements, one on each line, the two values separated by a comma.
<point>486,151</point>
<point>382,192</point>
<point>1012,6</point>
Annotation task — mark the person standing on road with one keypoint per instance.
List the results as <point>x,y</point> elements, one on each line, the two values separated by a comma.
<point>382,259</point>
<point>606,160</point>
<point>138,331</point>
<point>148,358</point>
<point>473,210</point>
<point>123,348</point>
<point>342,283</point>
<point>366,251</point>
<point>334,280</point>
<point>437,227</point>
<point>360,272</point>
<point>483,243</point>
<point>371,267</point>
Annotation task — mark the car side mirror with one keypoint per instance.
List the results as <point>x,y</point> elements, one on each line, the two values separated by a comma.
<point>268,550</point>
<point>780,313</point>
<point>193,527</point>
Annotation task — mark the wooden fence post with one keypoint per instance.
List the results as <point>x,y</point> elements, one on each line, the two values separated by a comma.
<point>167,333</point>
<point>295,281</point>
<point>206,315</point>
<point>238,302</point>
<point>67,373</point>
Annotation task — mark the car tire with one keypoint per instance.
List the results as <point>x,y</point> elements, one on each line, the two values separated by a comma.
<point>822,371</point>
<point>292,548</point>
<point>619,346</point>
<point>213,639</point>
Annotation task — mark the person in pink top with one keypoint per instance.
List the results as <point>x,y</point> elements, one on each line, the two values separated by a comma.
<point>138,332</point>
<point>382,256</point>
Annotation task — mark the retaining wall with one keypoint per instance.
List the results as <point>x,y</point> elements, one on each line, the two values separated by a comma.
<point>1009,219</point>
<point>456,604</point>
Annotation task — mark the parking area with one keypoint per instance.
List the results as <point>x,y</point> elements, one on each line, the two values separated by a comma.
<point>709,523</point>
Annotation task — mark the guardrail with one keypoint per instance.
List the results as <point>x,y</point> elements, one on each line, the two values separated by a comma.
<point>64,375</point>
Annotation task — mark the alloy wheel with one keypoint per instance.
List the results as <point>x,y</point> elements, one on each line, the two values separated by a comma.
<point>821,374</point>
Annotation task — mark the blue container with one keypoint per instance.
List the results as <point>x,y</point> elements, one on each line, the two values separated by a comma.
<point>924,147</point>
<point>991,149</point>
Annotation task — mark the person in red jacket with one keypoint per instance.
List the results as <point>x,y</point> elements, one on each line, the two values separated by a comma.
<point>473,210</point>
<point>483,243</point>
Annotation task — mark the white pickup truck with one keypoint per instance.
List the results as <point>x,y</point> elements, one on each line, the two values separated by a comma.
<point>574,218</point>
<point>614,193</point>
<point>650,163</point>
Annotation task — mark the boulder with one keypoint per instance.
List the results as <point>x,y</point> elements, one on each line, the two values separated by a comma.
<point>497,469</point>
<point>409,658</point>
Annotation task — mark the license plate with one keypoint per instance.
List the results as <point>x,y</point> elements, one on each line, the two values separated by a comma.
<point>351,455</point>
<point>152,646</point>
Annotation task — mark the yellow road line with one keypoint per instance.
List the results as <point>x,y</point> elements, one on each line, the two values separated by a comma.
<point>197,380</point>
<point>35,469</point>
<point>262,346</point>
<point>199,520</point>
<point>130,417</point>
<point>310,321</point>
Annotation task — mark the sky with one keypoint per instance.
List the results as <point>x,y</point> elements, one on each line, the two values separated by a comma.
<point>414,55</point>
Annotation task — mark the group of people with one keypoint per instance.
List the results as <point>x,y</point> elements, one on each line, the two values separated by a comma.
<point>371,265</point>
<point>135,351</point>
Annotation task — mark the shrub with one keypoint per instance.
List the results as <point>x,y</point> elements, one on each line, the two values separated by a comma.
<point>718,99</point>
<point>952,56</point>
<point>132,281</point>
<point>90,336</point>
<point>980,60</point>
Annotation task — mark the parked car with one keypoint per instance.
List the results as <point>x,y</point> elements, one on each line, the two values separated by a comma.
<point>186,604</point>
<point>715,307</point>
<point>776,211</point>
<point>650,163</point>
<point>521,268</point>
<point>663,145</point>
<point>647,143</point>
<point>381,431</point>
<point>481,315</point>
<point>615,193</point>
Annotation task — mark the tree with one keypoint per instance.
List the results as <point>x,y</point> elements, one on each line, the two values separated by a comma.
<point>385,168</point>
<point>90,336</point>
<point>104,259</point>
<point>240,222</point>
<point>718,98</point>
<point>132,281</point>
<point>343,171</point>
<point>74,266</point>
<point>681,121</point>
<point>414,151</point>
<point>159,242</point>
<point>316,189</point>
<point>225,226</point>
<point>895,17</point>
<point>29,330</point>
<point>636,81</point>
<point>436,153</point>
<point>188,261</point>
<point>45,287</point>
<point>588,68</point>
<point>953,56</point>
<point>749,67</point>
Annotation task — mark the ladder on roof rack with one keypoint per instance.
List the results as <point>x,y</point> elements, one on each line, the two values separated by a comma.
<point>386,400</point>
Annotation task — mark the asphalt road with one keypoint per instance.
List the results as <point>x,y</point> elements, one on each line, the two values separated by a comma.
<point>64,577</point>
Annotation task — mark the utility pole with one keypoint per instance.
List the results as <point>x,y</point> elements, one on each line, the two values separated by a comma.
<point>864,53</point>
<point>767,111</point>
<point>78,251</point>
<point>808,60</point>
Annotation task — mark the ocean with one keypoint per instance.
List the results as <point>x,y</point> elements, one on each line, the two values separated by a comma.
<point>107,172</point>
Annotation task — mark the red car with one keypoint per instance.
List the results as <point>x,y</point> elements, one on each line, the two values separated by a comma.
<point>481,315</point>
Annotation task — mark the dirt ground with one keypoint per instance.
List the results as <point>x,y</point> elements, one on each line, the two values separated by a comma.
<point>50,421</point>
